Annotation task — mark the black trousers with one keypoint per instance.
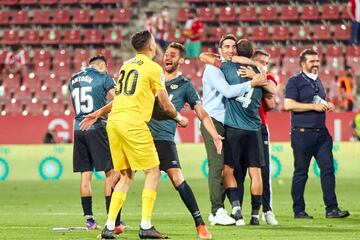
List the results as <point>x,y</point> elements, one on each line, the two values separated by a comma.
<point>308,143</point>
<point>240,174</point>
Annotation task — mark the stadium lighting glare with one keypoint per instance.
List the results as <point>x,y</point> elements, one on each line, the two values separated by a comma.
<point>3,113</point>
<point>46,112</point>
<point>67,112</point>
<point>25,113</point>
<point>13,100</point>
<point>34,100</point>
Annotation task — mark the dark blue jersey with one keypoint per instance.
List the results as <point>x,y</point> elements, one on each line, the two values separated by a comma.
<point>180,91</point>
<point>241,112</point>
<point>88,92</point>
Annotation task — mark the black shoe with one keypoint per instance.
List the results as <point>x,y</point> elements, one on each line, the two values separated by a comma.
<point>254,221</point>
<point>302,215</point>
<point>337,213</point>
<point>107,234</point>
<point>151,233</point>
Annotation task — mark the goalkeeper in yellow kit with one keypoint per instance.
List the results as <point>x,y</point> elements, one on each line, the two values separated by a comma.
<point>131,144</point>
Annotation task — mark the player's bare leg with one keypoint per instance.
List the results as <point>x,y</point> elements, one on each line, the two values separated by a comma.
<point>232,193</point>
<point>187,196</point>
<point>256,189</point>
<point>86,199</point>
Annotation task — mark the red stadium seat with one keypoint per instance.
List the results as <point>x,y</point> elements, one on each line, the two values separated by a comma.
<point>9,2</point>
<point>11,81</point>
<point>227,14</point>
<point>293,51</point>
<point>61,55</point>
<point>109,1</point>
<point>289,13</point>
<point>113,36</point>
<point>93,36</point>
<point>68,2</point>
<point>330,12</point>
<point>89,1</point>
<point>101,16</point>
<point>216,33</point>
<point>81,16</point>
<point>41,55</point>
<point>10,37</point>
<point>81,59</point>
<point>31,37</point>
<point>40,16</point>
<point>4,17</point>
<point>28,2</point>
<point>240,32</point>
<point>43,95</point>
<point>248,14</point>
<point>290,64</point>
<point>20,17</point>
<point>106,53</point>
<point>260,33</point>
<point>51,37</point>
<point>3,54</point>
<point>309,12</point>
<point>206,14</point>
<point>61,16</point>
<point>268,13</point>
<point>344,13</point>
<point>72,37</point>
<point>48,2</point>
<point>334,51</point>
<point>280,33</point>
<point>275,54</point>
<point>55,108</point>
<point>13,109</point>
<point>335,64</point>
<point>62,68</point>
<point>342,32</point>
<point>121,16</point>
<point>35,109</point>
<point>353,51</point>
<point>327,76</point>
<point>175,35</point>
<point>301,33</point>
<point>322,32</point>
<point>42,68</point>
<point>317,48</point>
<point>353,61</point>
<point>31,81</point>
<point>183,15</point>
<point>54,82</point>
<point>24,95</point>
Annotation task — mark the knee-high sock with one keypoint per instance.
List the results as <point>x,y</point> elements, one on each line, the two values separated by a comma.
<point>148,202</point>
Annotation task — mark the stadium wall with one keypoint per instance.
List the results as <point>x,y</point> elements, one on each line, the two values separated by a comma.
<point>31,130</point>
<point>54,162</point>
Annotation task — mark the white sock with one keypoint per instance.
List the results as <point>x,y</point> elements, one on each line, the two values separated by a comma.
<point>235,209</point>
<point>145,224</point>
<point>255,216</point>
<point>110,224</point>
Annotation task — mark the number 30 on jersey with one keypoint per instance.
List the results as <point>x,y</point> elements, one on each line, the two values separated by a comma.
<point>123,82</point>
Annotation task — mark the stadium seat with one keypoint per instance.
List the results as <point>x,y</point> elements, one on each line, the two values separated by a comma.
<point>301,33</point>
<point>318,48</point>
<point>342,32</point>
<point>31,81</point>
<point>80,16</point>
<point>175,35</point>
<point>11,81</point>
<point>43,95</point>
<point>20,17</point>
<point>330,12</point>
<point>54,82</point>
<point>207,14</point>
<point>28,2</point>
<point>227,14</point>
<point>248,14</point>
<point>109,1</point>
<point>353,51</point>
<point>93,36</point>
<point>335,64</point>
<point>344,13</point>
<point>321,32</point>
<point>35,109</point>
<point>260,33</point>
<point>61,17</point>
<point>10,37</point>
<point>81,58</point>
<point>4,17</point>
<point>289,13</point>
<point>9,2</point>
<point>290,64</point>
<point>334,51</point>
<point>55,108</point>
<point>101,16</point>
<point>105,52</point>
<point>216,33</point>
<point>89,1</point>
<point>113,36</point>
<point>72,37</point>
<point>13,109</point>
<point>275,54</point>
<point>61,55</point>
<point>41,55</point>
<point>121,16</point>
<point>293,51</point>
<point>51,37</point>
<point>183,15</point>
<point>48,2</point>
<point>40,16</point>
<point>42,68</point>
<point>3,54</point>
<point>268,13</point>
<point>280,33</point>
<point>62,68</point>
<point>31,37</point>
<point>309,12</point>
<point>327,77</point>
<point>353,61</point>
<point>68,2</point>
<point>23,95</point>
<point>240,32</point>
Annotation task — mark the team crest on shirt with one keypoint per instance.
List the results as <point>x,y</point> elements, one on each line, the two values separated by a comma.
<point>162,79</point>
<point>174,86</point>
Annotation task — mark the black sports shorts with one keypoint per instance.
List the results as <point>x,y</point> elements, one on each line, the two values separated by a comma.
<point>168,155</point>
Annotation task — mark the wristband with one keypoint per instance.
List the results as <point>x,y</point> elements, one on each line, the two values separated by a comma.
<point>178,117</point>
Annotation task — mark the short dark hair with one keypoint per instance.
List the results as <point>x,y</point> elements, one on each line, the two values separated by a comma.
<point>226,37</point>
<point>244,48</point>
<point>96,58</point>
<point>308,51</point>
<point>193,10</point>
<point>179,47</point>
<point>140,40</point>
<point>261,52</point>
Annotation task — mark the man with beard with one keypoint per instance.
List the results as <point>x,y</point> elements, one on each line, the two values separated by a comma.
<point>304,97</point>
<point>163,128</point>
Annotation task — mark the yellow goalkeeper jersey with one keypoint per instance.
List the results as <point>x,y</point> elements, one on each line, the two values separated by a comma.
<point>138,81</point>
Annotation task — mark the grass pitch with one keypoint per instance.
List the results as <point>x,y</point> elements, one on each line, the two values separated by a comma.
<point>30,209</point>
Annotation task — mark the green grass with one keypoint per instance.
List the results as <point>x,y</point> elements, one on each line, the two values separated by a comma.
<point>29,210</point>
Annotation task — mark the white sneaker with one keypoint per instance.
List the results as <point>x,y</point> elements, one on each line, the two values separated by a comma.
<point>221,218</point>
<point>270,218</point>
<point>237,216</point>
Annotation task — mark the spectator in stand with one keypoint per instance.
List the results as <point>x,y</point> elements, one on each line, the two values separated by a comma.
<point>15,62</point>
<point>150,25</point>
<point>346,85</point>
<point>354,12</point>
<point>162,26</point>
<point>194,29</point>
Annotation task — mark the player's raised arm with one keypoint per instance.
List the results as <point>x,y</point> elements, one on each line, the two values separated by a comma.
<point>210,58</point>
<point>246,61</point>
